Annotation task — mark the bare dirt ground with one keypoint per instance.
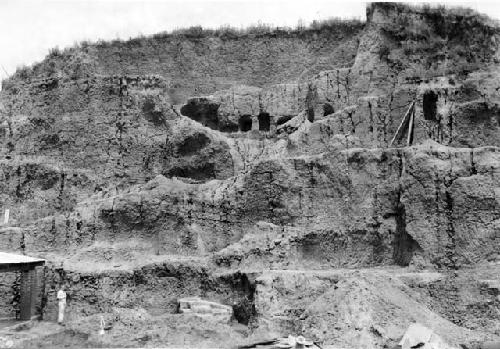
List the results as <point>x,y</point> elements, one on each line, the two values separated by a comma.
<point>367,307</point>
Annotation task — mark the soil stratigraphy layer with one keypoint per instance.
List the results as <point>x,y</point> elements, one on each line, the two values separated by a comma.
<point>340,182</point>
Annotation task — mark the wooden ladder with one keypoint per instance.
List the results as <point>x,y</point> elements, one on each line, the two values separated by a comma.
<point>407,123</point>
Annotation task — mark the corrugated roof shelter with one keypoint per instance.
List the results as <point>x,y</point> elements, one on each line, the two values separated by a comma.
<point>10,262</point>
<point>18,262</point>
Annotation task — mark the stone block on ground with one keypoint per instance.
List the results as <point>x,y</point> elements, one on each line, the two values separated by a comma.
<point>205,309</point>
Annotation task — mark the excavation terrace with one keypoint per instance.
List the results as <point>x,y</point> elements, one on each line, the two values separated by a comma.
<point>210,189</point>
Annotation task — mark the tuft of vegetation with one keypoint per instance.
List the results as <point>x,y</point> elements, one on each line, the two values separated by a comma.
<point>55,53</point>
<point>256,30</point>
<point>440,34</point>
<point>59,61</point>
<point>23,72</point>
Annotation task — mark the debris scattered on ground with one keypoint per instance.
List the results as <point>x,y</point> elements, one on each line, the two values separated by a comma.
<point>282,343</point>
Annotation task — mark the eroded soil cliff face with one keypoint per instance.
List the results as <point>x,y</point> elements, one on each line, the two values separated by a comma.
<point>261,172</point>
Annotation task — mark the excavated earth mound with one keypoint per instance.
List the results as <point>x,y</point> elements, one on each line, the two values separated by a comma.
<point>338,182</point>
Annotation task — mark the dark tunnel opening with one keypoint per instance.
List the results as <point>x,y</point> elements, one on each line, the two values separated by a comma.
<point>202,111</point>
<point>430,105</point>
<point>264,122</point>
<point>245,123</point>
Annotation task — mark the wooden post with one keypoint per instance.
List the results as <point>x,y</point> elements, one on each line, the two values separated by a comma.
<point>407,119</point>
<point>409,140</point>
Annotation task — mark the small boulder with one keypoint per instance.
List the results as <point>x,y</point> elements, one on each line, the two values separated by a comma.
<point>419,336</point>
<point>205,309</point>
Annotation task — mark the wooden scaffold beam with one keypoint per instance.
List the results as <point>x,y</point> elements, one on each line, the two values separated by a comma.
<point>406,125</point>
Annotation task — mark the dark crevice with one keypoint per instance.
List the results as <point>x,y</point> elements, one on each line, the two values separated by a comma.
<point>404,244</point>
<point>19,186</point>
<point>450,228</point>
<point>473,169</point>
<point>60,196</point>
<point>311,97</point>
<point>244,307</point>
<point>328,109</point>
<point>370,128</point>
<point>22,243</point>
<point>310,114</point>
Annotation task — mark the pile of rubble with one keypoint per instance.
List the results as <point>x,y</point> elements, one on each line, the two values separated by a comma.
<point>416,336</point>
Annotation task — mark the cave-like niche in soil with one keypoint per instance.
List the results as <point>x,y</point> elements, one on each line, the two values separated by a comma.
<point>310,114</point>
<point>203,111</point>
<point>201,171</point>
<point>328,109</point>
<point>264,122</point>
<point>245,123</point>
<point>404,245</point>
<point>193,144</point>
<point>430,105</point>
<point>227,126</point>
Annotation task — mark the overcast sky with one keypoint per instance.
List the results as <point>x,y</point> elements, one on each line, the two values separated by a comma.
<point>29,28</point>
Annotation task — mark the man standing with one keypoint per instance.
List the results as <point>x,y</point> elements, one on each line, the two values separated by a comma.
<point>61,297</point>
